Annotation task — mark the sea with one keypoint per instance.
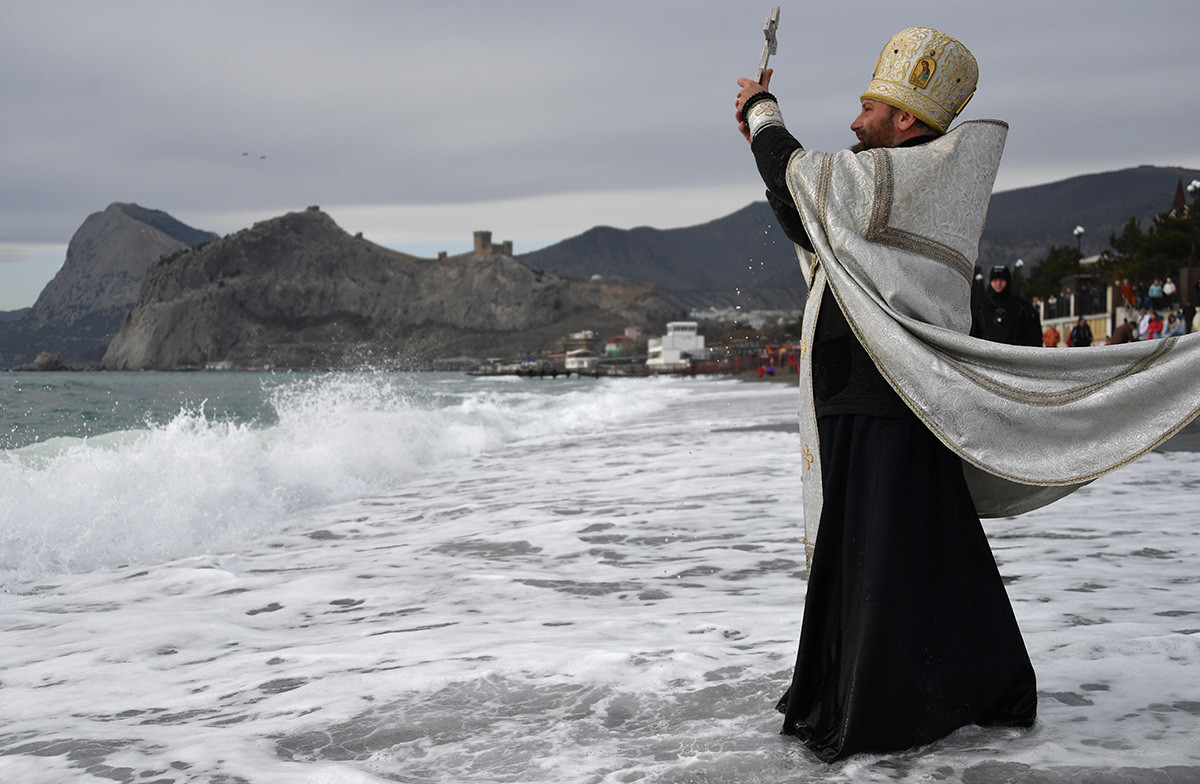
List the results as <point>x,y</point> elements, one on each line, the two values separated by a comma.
<point>422,577</point>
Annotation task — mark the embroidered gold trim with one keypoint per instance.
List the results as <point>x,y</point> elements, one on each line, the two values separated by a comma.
<point>824,177</point>
<point>881,213</point>
<point>1062,397</point>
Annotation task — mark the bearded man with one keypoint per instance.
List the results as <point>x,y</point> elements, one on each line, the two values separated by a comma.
<point>910,428</point>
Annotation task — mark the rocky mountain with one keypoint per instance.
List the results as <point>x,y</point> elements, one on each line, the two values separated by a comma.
<point>81,308</point>
<point>744,258</point>
<point>298,292</point>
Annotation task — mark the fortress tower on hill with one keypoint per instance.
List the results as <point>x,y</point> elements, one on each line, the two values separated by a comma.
<point>484,246</point>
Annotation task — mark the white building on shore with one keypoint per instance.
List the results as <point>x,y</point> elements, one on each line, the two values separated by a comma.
<point>581,360</point>
<point>673,351</point>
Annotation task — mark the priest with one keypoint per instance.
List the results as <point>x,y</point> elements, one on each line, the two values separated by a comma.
<point>911,430</point>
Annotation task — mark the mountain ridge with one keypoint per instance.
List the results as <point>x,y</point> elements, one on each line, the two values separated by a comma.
<point>740,260</point>
<point>743,259</point>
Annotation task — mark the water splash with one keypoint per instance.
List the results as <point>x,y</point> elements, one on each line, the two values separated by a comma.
<point>202,481</point>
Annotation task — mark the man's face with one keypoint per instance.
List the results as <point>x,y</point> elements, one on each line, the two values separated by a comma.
<point>999,284</point>
<point>875,125</point>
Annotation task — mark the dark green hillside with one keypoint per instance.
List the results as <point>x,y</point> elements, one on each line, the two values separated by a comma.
<point>1025,223</point>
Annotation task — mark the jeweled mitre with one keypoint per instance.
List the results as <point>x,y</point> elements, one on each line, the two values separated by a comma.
<point>927,73</point>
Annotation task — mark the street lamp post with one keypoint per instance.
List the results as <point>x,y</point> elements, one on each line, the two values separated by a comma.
<point>1079,240</point>
<point>1193,188</point>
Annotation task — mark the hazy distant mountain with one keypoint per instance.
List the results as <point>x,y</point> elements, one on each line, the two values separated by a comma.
<point>744,259</point>
<point>82,306</point>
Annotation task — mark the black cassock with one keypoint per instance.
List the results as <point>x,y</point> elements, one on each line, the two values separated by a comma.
<point>908,633</point>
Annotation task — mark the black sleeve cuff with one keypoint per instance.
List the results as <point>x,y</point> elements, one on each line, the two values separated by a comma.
<point>753,99</point>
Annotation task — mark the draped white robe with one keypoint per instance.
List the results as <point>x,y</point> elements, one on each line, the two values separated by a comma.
<point>896,234</point>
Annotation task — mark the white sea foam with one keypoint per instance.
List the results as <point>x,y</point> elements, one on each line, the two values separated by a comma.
<point>589,583</point>
<point>196,483</point>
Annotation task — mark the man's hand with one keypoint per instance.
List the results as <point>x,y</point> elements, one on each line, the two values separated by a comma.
<point>749,88</point>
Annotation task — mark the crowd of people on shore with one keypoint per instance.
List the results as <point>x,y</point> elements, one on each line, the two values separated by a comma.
<point>1160,312</point>
<point>1147,312</point>
<point>1153,312</point>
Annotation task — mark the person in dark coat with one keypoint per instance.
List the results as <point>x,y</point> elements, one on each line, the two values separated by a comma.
<point>1004,317</point>
<point>1081,334</point>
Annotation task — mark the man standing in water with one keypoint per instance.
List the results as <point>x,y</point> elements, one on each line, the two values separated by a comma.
<point>908,633</point>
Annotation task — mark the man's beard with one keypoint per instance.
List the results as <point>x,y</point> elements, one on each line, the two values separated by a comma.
<point>877,134</point>
<point>870,141</point>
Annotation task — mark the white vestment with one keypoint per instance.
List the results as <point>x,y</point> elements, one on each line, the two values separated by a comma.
<point>896,234</point>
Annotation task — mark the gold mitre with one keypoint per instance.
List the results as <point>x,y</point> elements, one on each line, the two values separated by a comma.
<point>926,73</point>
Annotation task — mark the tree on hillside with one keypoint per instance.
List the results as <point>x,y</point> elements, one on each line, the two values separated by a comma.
<point>1045,280</point>
<point>1142,256</point>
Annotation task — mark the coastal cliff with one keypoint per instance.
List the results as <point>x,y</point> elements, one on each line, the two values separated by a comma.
<point>298,292</point>
<point>81,308</point>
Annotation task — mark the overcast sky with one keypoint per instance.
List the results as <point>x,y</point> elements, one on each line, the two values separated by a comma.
<point>418,122</point>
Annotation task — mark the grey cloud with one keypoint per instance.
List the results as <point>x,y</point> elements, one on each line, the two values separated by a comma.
<point>413,102</point>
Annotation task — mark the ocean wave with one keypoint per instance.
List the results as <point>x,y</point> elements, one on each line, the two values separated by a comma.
<point>201,482</point>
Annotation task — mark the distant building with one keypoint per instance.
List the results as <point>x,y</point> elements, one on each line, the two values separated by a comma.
<point>674,350</point>
<point>584,339</point>
<point>618,345</point>
<point>581,361</point>
<point>456,364</point>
